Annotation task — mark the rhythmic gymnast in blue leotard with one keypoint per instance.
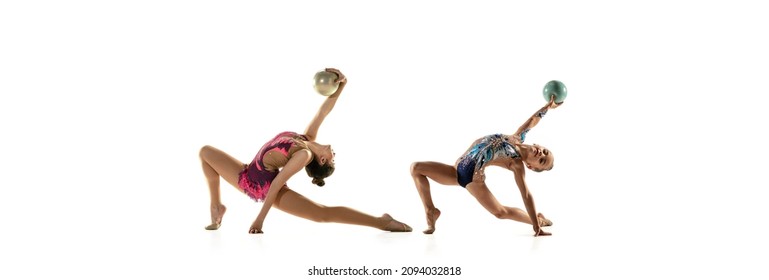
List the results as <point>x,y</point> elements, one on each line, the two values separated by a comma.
<point>507,151</point>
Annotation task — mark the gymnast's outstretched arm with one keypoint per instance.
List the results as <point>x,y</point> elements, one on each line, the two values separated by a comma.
<point>312,130</point>
<point>534,119</point>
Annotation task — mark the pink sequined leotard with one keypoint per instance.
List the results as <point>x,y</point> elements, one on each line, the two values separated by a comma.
<point>257,176</point>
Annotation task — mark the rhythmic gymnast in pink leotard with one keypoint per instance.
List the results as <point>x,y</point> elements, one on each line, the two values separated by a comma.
<point>264,179</point>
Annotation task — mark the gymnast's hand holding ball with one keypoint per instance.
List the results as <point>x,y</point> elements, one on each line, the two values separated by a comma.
<point>555,93</point>
<point>329,81</point>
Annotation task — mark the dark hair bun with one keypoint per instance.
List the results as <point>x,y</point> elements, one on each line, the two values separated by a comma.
<point>318,182</point>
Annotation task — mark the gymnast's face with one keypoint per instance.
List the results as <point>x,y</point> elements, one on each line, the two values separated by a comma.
<point>539,158</point>
<point>325,155</point>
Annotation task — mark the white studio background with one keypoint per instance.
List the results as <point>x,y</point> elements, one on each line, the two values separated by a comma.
<point>659,145</point>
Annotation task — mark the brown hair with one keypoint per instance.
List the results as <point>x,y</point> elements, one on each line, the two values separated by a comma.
<point>318,172</point>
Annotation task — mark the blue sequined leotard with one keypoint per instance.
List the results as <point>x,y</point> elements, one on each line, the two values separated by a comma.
<point>486,149</point>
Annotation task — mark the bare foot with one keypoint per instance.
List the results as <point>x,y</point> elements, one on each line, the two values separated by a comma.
<point>432,217</point>
<point>544,221</point>
<point>217,212</point>
<point>394,225</point>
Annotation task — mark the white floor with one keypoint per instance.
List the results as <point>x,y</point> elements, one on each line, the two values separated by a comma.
<point>122,241</point>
